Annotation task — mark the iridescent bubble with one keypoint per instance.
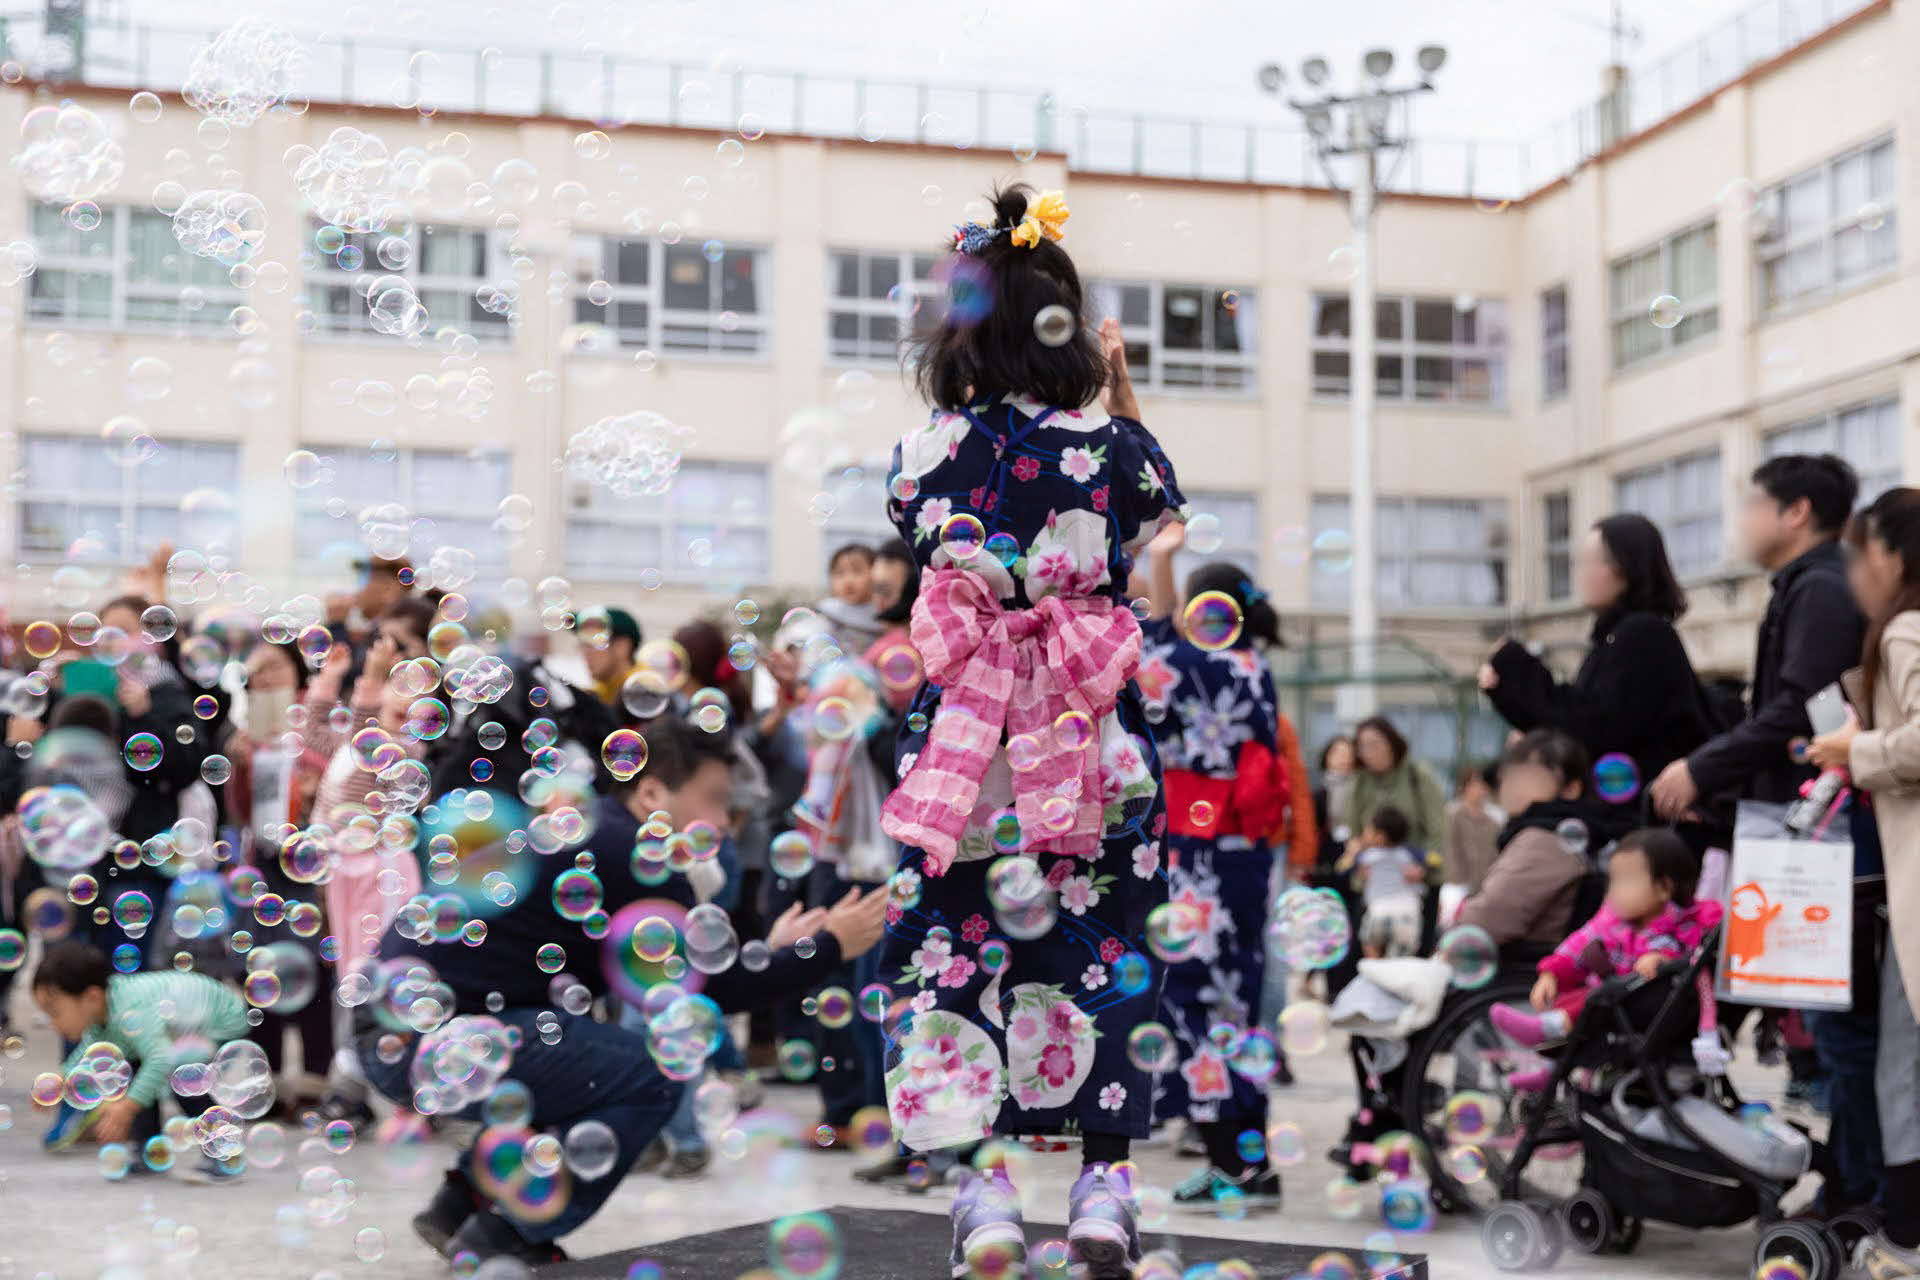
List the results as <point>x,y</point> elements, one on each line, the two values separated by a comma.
<point>1469,951</point>
<point>961,537</point>
<point>1616,777</point>
<point>1304,1026</point>
<point>143,752</point>
<point>1054,326</point>
<point>1665,311</point>
<point>1212,620</point>
<point>790,855</point>
<point>1151,1047</point>
<point>624,752</point>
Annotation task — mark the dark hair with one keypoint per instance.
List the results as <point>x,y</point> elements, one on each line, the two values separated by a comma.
<point>1258,620</point>
<point>1550,749</point>
<point>72,967</point>
<point>859,549</point>
<point>1893,520</point>
<point>83,711</point>
<point>1668,858</point>
<point>1469,773</point>
<point>675,752</point>
<point>413,612</point>
<point>1639,553</point>
<point>1396,741</point>
<point>1326,752</point>
<point>706,648</point>
<point>1829,485</point>
<point>900,553</point>
<point>969,356</point>
<point>1391,824</point>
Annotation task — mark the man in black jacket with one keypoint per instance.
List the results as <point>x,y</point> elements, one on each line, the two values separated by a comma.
<point>1811,634</point>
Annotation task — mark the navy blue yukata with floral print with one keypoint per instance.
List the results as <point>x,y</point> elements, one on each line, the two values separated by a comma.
<point>1206,705</point>
<point>1019,1036</point>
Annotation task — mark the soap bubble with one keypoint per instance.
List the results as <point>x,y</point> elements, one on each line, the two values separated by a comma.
<point>1212,620</point>
<point>243,72</point>
<point>1470,953</point>
<point>1151,1047</point>
<point>1665,311</point>
<point>226,226</point>
<point>1616,778</point>
<point>66,155</point>
<point>1054,326</point>
<point>1572,834</point>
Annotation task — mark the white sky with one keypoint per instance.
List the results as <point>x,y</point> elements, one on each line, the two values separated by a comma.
<point>1516,65</point>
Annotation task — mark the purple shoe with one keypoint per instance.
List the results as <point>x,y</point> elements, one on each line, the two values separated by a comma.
<point>989,1237</point>
<point>1100,1225</point>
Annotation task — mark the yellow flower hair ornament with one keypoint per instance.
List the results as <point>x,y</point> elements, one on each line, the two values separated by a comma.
<point>1047,217</point>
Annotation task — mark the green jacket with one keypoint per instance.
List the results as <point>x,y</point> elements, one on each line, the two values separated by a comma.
<point>1411,788</point>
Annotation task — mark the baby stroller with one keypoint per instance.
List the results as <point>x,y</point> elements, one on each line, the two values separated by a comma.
<point>1631,1130</point>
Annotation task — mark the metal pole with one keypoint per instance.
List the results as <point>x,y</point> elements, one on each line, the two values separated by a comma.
<point>1365,605</point>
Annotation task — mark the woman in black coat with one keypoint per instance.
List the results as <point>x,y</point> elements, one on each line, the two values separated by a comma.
<point>1636,693</point>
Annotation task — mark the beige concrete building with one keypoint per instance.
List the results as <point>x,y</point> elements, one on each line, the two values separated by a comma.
<point>749,284</point>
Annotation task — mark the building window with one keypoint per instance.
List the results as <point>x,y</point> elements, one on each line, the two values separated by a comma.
<point>710,527</point>
<point>1433,552</point>
<point>448,497</point>
<point>673,297</point>
<point>460,275</point>
<point>1184,337</point>
<point>1829,227</point>
<point>1556,541</point>
<point>1682,497</point>
<point>1866,435</point>
<point>873,300</point>
<point>1553,343</point>
<point>80,490</point>
<point>127,273</point>
<point>1428,350</point>
<point>1683,267</point>
<point>857,498</point>
<point>1237,517</point>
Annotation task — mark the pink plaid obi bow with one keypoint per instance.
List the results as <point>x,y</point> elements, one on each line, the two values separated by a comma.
<point>1015,671</point>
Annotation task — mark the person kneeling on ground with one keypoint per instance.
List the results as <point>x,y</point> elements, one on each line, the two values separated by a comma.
<point>158,1020</point>
<point>574,1068</point>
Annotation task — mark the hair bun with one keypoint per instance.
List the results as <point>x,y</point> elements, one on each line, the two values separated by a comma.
<point>1010,204</point>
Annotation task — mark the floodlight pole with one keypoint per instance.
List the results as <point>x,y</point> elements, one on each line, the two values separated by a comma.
<point>1359,125</point>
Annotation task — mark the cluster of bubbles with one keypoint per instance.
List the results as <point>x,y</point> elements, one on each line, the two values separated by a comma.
<point>227,226</point>
<point>635,454</point>
<point>67,155</point>
<point>243,73</point>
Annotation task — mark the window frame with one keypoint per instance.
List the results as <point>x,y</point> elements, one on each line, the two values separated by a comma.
<point>1669,520</point>
<point>1700,314</point>
<point>1410,350</point>
<point>923,290</point>
<point>1556,348</point>
<point>128,502</point>
<point>1772,249</point>
<point>666,515</point>
<point>1556,545</point>
<point>492,555</point>
<point>662,319</point>
<point>116,268</point>
<point>323,274</point>
<point>1151,336</point>
<point>1828,429</point>
<point>1246,554</point>
<point>1405,563</point>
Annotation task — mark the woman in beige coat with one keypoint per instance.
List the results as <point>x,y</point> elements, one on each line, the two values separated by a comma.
<point>1882,750</point>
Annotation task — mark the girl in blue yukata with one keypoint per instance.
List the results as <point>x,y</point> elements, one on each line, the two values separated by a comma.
<point>1210,696</point>
<point>1029,802</point>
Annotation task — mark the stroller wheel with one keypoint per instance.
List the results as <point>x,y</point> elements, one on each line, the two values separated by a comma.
<point>1518,1237</point>
<point>1850,1228</point>
<point>1807,1246</point>
<point>1589,1221</point>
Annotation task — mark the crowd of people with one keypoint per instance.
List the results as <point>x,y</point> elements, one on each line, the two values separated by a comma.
<point>993,842</point>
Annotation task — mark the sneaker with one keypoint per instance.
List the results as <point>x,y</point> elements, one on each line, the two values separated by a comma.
<point>1283,1072</point>
<point>653,1157</point>
<point>210,1172</point>
<point>1100,1226</point>
<point>1253,1188</point>
<point>69,1125</point>
<point>989,1236</point>
<point>1878,1258</point>
<point>355,1111</point>
<point>452,1205</point>
<point>892,1169</point>
<point>486,1236</point>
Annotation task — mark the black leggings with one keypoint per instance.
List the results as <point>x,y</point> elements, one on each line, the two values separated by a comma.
<point>1104,1148</point>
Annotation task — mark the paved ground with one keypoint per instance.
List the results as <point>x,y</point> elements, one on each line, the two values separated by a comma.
<point>59,1217</point>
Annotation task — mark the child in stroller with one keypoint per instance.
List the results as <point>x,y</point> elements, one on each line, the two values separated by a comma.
<point>1662,1135</point>
<point>1649,917</point>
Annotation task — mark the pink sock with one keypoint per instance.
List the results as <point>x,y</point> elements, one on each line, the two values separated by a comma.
<point>1529,1029</point>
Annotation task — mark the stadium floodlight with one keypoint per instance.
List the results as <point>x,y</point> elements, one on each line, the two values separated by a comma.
<point>1431,57</point>
<point>1272,78</point>
<point>1378,63</point>
<point>1315,71</point>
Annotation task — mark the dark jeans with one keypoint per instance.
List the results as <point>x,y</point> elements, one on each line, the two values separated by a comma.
<point>593,1072</point>
<point>1847,1044</point>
